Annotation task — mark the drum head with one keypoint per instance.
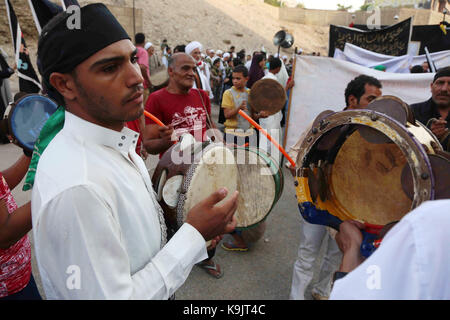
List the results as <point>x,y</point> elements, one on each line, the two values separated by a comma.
<point>28,117</point>
<point>267,95</point>
<point>216,169</point>
<point>366,180</point>
<point>260,186</point>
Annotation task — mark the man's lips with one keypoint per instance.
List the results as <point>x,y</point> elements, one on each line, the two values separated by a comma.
<point>136,97</point>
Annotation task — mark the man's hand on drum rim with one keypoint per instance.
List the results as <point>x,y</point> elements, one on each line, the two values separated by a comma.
<point>213,220</point>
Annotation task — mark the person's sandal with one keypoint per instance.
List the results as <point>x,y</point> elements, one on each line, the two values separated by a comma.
<point>212,270</point>
<point>230,246</point>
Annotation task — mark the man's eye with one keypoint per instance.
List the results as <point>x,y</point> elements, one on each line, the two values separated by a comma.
<point>110,69</point>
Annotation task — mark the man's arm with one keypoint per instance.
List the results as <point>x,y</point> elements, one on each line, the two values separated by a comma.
<point>15,226</point>
<point>157,139</point>
<point>77,230</point>
<point>16,172</point>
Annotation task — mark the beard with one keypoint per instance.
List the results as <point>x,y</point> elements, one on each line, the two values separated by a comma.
<point>103,111</point>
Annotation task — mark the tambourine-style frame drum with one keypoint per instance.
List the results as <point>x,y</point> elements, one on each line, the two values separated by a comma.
<point>372,165</point>
<point>27,117</point>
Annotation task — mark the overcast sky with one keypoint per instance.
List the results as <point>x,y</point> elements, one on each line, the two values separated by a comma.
<point>331,4</point>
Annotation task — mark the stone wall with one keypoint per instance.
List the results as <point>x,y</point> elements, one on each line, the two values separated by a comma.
<point>327,17</point>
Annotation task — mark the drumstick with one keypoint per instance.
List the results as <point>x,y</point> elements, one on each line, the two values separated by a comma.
<point>155,119</point>
<point>264,132</point>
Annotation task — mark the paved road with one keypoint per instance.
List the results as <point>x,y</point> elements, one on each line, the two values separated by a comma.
<point>263,273</point>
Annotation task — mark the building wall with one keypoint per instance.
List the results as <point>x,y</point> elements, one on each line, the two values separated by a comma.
<point>327,17</point>
<point>125,17</point>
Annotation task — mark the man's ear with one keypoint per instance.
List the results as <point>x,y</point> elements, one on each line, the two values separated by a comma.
<point>352,101</point>
<point>64,84</point>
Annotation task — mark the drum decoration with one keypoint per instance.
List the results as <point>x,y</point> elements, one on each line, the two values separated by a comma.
<point>373,165</point>
<point>26,119</point>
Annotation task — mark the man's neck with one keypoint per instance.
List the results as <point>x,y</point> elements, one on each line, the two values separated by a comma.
<point>174,89</point>
<point>81,113</point>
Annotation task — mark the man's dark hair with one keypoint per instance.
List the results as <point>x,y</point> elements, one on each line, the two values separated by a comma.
<point>179,48</point>
<point>241,69</point>
<point>274,63</point>
<point>237,62</point>
<point>356,87</point>
<point>139,38</point>
<point>417,69</point>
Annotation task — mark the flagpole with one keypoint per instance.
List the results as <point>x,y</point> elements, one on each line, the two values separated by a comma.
<point>290,102</point>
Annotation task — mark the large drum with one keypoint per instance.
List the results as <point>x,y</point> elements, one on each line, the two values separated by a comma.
<point>371,165</point>
<point>25,119</point>
<point>189,172</point>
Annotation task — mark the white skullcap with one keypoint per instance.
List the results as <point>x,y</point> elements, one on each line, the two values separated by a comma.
<point>192,46</point>
<point>148,45</point>
<point>226,55</point>
<point>284,57</point>
<point>219,52</point>
<point>212,50</point>
<point>276,55</point>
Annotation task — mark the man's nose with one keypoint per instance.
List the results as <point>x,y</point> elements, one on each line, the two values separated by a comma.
<point>134,75</point>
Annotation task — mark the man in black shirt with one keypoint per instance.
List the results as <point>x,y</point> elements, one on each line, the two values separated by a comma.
<point>434,113</point>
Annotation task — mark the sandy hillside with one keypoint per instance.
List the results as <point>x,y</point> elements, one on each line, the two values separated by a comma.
<point>217,24</point>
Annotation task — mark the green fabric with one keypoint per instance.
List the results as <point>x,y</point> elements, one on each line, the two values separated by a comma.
<point>380,68</point>
<point>51,128</point>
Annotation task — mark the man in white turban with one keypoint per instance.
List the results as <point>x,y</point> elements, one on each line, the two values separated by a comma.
<point>202,79</point>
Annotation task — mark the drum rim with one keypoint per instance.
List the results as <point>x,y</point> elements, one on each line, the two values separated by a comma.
<point>405,140</point>
<point>14,105</point>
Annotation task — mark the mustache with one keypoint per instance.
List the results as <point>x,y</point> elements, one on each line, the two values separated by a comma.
<point>138,89</point>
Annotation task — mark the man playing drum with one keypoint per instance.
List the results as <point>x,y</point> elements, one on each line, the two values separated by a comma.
<point>98,230</point>
<point>358,94</point>
<point>184,110</point>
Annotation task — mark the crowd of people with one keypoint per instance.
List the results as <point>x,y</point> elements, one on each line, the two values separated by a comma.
<point>102,216</point>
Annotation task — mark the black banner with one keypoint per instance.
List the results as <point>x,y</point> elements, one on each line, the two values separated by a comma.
<point>43,11</point>
<point>391,41</point>
<point>28,79</point>
<point>431,37</point>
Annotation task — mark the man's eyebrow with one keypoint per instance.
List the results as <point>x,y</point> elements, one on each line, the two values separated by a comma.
<point>112,59</point>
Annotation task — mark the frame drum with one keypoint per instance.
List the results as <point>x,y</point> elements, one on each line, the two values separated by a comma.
<point>366,165</point>
<point>27,117</point>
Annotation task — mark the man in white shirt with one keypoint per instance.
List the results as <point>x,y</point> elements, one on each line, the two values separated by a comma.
<point>412,262</point>
<point>99,232</point>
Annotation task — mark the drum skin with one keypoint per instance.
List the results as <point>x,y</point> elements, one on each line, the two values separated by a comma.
<point>261,183</point>
<point>256,176</point>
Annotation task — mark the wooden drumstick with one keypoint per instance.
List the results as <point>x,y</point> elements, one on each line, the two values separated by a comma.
<point>264,132</point>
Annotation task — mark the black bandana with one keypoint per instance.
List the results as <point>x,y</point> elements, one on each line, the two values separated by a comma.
<point>61,48</point>
<point>444,72</point>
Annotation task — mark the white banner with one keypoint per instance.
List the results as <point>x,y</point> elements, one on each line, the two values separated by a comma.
<point>400,64</point>
<point>320,84</point>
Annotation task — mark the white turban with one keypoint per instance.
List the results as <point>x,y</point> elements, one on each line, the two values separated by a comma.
<point>219,52</point>
<point>148,45</point>
<point>226,55</point>
<point>192,46</point>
